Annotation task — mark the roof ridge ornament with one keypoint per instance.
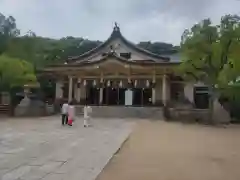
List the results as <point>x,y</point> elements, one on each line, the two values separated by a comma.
<point>116,27</point>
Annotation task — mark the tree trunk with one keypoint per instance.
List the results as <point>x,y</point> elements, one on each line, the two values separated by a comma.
<point>211,107</point>
<point>212,97</point>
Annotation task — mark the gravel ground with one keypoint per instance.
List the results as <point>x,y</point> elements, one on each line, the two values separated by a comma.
<point>175,151</point>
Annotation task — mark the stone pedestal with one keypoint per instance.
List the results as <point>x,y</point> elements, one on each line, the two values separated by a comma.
<point>220,115</point>
<point>29,108</point>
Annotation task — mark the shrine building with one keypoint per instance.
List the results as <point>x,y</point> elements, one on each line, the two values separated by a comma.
<point>119,73</point>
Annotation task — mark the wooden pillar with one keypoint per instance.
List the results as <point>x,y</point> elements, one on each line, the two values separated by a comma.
<point>164,89</point>
<point>101,90</point>
<point>59,90</point>
<point>79,90</point>
<point>70,89</point>
<point>154,89</point>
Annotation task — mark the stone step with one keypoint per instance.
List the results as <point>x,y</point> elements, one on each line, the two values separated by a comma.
<point>4,109</point>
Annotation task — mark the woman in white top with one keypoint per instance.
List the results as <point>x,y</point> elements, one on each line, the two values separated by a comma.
<point>86,115</point>
<point>64,113</point>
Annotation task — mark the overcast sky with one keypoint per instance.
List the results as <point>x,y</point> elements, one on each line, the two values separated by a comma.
<point>139,20</point>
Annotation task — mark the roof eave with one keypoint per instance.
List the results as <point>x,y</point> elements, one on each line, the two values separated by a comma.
<point>83,64</point>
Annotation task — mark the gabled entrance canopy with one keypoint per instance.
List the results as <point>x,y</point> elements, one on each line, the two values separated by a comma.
<point>112,63</point>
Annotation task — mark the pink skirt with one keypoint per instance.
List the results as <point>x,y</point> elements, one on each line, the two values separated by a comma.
<point>70,121</point>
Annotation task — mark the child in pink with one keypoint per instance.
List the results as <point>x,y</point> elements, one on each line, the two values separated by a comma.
<point>71,114</point>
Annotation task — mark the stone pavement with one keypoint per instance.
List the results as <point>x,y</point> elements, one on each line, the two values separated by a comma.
<point>40,148</point>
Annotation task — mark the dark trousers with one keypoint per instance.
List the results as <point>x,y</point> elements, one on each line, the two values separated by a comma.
<point>64,119</point>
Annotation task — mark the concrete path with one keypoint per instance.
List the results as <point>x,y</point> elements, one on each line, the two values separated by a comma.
<point>34,149</point>
<point>174,151</point>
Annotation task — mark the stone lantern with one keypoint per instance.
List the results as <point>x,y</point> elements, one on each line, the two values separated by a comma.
<point>30,106</point>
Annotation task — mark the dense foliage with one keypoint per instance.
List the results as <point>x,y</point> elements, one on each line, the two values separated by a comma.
<point>211,54</point>
<point>15,72</point>
<point>8,30</point>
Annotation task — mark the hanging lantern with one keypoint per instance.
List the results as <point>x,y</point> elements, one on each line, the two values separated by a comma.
<point>94,83</point>
<point>79,83</point>
<point>84,82</point>
<point>121,84</point>
<point>108,83</point>
<point>147,83</point>
<point>135,83</point>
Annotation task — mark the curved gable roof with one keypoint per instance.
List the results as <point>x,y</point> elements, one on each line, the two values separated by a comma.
<point>115,35</point>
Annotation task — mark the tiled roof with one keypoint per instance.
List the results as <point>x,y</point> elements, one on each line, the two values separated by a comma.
<point>115,35</point>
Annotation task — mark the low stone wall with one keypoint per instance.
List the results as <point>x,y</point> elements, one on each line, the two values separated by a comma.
<point>189,115</point>
<point>124,112</point>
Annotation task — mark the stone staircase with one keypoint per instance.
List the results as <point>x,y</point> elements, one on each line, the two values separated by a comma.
<point>4,109</point>
<point>124,112</point>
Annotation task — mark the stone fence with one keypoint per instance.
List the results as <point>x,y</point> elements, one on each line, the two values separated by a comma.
<point>189,115</point>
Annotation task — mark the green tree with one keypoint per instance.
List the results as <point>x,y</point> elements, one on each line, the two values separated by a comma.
<point>8,29</point>
<point>14,73</point>
<point>159,47</point>
<point>211,54</point>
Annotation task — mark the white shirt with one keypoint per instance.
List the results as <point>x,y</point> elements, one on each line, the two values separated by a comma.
<point>86,111</point>
<point>64,108</point>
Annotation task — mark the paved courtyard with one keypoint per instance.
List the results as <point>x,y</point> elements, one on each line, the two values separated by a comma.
<point>33,149</point>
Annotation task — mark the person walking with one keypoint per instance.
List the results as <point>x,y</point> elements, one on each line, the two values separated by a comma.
<point>71,113</point>
<point>87,110</point>
<point>64,113</point>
